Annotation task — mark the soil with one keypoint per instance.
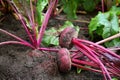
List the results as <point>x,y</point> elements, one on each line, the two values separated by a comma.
<point>22,63</point>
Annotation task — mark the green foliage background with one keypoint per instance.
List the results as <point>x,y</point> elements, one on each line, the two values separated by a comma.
<point>105,25</point>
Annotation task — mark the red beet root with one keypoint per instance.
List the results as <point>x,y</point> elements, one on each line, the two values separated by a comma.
<point>64,61</point>
<point>66,36</point>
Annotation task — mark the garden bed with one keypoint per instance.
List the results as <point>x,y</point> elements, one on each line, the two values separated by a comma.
<point>22,63</point>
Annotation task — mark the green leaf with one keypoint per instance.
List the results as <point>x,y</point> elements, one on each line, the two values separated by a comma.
<point>114,79</point>
<point>68,24</point>
<point>24,8</point>
<point>79,70</point>
<point>115,42</point>
<point>115,10</point>
<point>41,4</point>
<point>98,23</point>
<point>70,7</point>
<point>89,5</point>
<point>51,35</point>
<point>106,25</point>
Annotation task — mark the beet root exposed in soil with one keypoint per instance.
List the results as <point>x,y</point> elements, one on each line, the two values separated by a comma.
<point>66,36</point>
<point>98,58</point>
<point>64,61</point>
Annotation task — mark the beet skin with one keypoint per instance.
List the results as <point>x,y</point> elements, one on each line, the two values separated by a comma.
<point>64,61</point>
<point>66,36</point>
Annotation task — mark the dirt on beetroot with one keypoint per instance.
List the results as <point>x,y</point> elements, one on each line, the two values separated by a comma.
<point>22,63</point>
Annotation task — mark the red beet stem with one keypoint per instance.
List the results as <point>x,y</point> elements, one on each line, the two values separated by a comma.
<point>86,68</point>
<point>48,49</point>
<point>45,21</point>
<point>85,63</point>
<point>99,47</point>
<point>17,42</point>
<point>87,51</point>
<point>76,55</point>
<point>22,21</point>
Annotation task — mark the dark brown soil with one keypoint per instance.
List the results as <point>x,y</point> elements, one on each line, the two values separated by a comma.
<point>22,63</point>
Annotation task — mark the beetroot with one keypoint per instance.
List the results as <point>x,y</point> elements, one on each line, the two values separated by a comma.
<point>66,36</point>
<point>64,61</point>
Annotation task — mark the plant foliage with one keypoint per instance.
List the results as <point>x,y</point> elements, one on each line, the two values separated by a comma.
<point>51,35</point>
<point>90,5</point>
<point>105,25</point>
<point>114,79</point>
<point>25,9</point>
<point>41,4</point>
<point>70,6</point>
